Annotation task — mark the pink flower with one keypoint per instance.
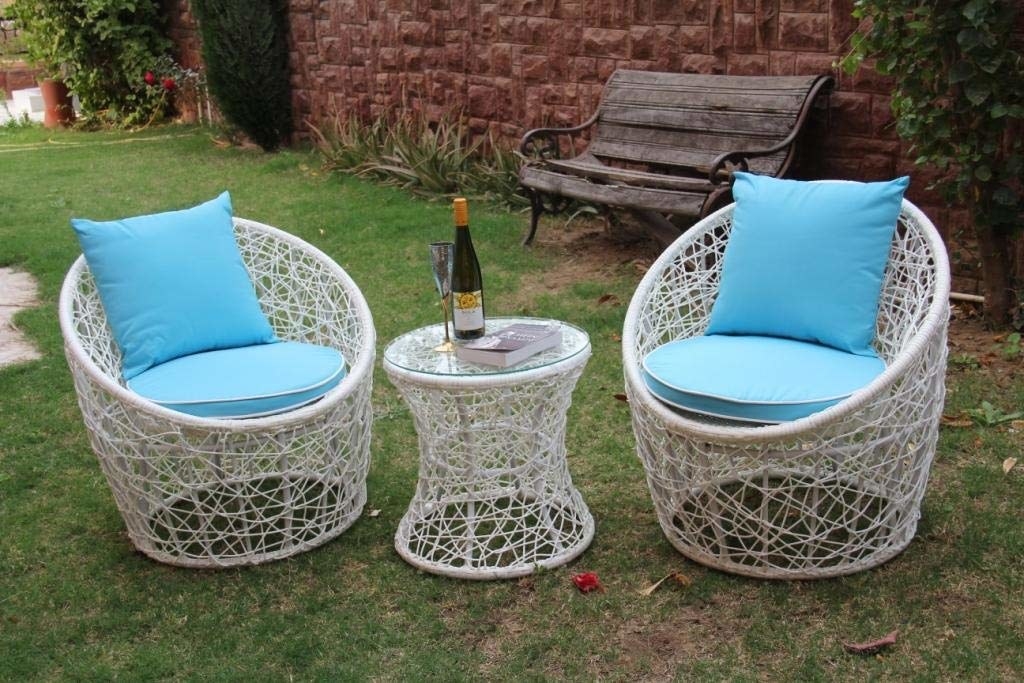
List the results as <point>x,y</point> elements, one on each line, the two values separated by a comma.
<point>150,78</point>
<point>169,84</point>
<point>587,582</point>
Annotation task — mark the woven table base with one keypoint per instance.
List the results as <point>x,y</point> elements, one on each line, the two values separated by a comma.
<point>505,537</point>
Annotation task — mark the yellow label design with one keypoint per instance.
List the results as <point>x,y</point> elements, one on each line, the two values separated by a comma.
<point>467,300</point>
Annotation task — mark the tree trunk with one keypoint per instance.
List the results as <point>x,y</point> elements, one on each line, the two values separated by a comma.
<point>997,249</point>
<point>1017,273</point>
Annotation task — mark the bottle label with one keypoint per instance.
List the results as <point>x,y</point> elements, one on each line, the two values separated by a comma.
<point>468,310</point>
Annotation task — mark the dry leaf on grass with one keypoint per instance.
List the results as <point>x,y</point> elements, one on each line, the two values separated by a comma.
<point>621,397</point>
<point>641,266</point>
<point>373,513</point>
<point>1008,465</point>
<point>958,422</point>
<point>872,646</point>
<point>608,299</point>
<point>679,577</point>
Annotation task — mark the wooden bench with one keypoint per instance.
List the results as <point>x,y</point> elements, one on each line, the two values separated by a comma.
<point>666,144</point>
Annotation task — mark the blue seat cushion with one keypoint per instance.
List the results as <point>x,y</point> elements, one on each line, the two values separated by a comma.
<point>173,284</point>
<point>249,381</point>
<point>754,378</point>
<point>805,260</point>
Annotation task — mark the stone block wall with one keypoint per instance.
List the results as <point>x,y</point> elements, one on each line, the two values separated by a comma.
<point>17,76</point>
<point>511,65</point>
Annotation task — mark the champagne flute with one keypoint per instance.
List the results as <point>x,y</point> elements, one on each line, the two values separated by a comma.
<point>441,262</point>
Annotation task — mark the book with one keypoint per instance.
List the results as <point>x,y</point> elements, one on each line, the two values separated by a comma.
<point>510,345</point>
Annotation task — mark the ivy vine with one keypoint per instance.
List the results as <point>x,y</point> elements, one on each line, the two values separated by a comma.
<point>958,99</point>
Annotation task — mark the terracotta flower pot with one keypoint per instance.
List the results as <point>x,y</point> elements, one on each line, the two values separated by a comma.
<point>57,107</point>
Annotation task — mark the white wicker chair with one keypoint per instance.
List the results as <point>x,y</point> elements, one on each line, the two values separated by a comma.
<point>832,493</point>
<point>199,492</point>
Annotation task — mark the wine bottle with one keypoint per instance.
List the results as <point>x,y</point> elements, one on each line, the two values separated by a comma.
<point>467,285</point>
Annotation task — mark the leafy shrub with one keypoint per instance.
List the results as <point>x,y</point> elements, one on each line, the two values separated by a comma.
<point>958,69</point>
<point>245,49</point>
<point>101,48</point>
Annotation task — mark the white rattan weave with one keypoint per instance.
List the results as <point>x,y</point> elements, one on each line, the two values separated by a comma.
<point>199,492</point>
<point>829,494</point>
<point>494,498</point>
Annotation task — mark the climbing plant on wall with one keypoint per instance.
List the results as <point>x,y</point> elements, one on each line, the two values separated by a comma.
<point>245,48</point>
<point>958,70</point>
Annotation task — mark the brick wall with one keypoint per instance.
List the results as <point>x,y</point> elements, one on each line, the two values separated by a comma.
<point>17,76</point>
<point>516,64</point>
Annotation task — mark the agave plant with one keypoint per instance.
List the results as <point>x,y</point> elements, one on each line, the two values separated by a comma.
<point>431,158</point>
<point>347,145</point>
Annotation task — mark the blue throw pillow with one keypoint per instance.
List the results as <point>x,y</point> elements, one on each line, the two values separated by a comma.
<point>805,260</point>
<point>173,284</point>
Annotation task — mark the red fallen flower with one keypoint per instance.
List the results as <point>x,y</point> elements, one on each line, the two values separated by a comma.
<point>586,582</point>
<point>169,84</point>
<point>150,78</point>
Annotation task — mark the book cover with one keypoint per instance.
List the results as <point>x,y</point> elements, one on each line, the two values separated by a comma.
<point>510,345</point>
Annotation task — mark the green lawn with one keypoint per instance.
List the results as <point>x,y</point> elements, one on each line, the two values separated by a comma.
<point>76,602</point>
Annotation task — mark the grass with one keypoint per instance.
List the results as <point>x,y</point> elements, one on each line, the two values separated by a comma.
<point>77,603</point>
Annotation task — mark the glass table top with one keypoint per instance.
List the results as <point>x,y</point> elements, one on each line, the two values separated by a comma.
<point>414,351</point>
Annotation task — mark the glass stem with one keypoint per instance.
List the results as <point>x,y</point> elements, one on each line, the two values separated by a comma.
<point>444,307</point>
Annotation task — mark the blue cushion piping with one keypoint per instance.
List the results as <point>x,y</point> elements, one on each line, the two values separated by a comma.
<point>247,416</point>
<point>341,370</point>
<point>709,407</point>
<point>730,399</point>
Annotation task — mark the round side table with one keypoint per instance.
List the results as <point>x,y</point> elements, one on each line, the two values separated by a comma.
<point>494,499</point>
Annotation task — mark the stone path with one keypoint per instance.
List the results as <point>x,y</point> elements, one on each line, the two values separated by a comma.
<point>17,291</point>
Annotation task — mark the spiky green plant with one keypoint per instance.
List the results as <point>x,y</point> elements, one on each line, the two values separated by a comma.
<point>347,145</point>
<point>427,157</point>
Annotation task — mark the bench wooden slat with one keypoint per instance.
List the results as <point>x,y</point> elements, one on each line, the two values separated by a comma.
<point>718,93</point>
<point>710,143</point>
<point>669,148</point>
<point>588,167</point>
<point>667,201</point>
<point>710,82</point>
<point>689,120</point>
<point>719,101</point>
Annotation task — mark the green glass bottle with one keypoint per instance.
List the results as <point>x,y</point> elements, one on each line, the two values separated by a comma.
<point>467,285</point>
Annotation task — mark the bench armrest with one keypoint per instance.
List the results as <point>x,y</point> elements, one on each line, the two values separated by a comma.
<point>542,143</point>
<point>721,173</point>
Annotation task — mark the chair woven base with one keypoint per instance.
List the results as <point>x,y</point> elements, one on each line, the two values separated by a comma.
<point>267,518</point>
<point>770,523</point>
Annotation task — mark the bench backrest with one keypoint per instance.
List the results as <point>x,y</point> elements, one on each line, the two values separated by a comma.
<point>684,121</point>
